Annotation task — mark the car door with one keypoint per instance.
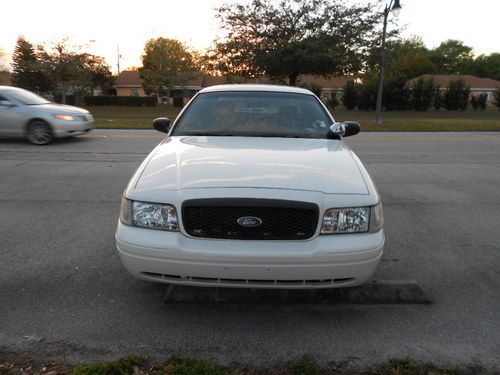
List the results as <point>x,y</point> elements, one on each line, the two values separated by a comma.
<point>12,118</point>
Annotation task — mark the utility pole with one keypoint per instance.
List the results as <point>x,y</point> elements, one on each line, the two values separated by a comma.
<point>395,10</point>
<point>119,56</point>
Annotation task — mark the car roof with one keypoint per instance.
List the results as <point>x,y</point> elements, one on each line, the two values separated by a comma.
<point>256,87</point>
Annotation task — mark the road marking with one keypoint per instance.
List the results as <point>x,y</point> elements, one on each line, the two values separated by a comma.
<point>127,136</point>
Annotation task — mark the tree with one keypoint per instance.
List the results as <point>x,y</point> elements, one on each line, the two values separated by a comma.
<point>165,64</point>
<point>405,57</point>
<point>294,37</point>
<point>313,87</point>
<point>456,96</point>
<point>453,57</point>
<point>98,72</point>
<point>350,95</point>
<point>4,66</point>
<point>488,66</point>
<point>422,94</point>
<point>28,71</point>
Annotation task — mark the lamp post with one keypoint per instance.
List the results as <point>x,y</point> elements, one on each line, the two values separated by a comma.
<point>394,8</point>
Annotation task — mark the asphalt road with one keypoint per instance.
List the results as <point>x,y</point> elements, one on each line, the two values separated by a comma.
<point>64,293</point>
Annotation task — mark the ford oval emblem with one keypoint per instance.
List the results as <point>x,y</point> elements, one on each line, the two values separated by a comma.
<point>249,221</point>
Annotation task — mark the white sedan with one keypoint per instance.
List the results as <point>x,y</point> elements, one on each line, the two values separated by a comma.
<point>253,187</point>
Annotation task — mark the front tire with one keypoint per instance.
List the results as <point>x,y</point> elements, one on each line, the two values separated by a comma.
<point>39,132</point>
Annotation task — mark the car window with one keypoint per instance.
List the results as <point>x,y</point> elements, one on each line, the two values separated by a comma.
<point>254,114</point>
<point>26,97</point>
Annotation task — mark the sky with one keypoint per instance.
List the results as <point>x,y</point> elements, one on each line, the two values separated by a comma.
<point>99,26</point>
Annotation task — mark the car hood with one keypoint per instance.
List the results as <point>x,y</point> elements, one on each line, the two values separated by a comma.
<point>54,108</point>
<point>327,166</point>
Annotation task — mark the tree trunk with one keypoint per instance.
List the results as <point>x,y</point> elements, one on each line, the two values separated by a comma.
<point>292,79</point>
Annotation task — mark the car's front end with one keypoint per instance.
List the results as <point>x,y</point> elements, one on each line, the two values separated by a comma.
<point>65,121</point>
<point>181,224</point>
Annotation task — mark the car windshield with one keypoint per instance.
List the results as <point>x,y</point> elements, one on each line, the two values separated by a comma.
<point>254,113</point>
<point>25,97</point>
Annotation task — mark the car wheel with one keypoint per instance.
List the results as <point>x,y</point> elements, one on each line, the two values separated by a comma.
<point>39,132</point>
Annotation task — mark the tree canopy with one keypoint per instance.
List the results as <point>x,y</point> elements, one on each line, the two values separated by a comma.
<point>166,63</point>
<point>294,37</point>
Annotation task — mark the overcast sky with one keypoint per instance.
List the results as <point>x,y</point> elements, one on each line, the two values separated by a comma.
<point>102,25</point>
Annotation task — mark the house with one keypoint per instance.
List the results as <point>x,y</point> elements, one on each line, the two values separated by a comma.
<point>129,83</point>
<point>477,85</point>
<point>328,84</point>
<point>5,78</point>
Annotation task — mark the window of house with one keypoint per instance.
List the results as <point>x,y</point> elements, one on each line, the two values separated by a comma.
<point>134,92</point>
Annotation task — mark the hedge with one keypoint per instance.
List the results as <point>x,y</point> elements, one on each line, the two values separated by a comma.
<point>128,101</point>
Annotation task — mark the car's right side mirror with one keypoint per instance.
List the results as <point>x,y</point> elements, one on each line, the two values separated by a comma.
<point>343,129</point>
<point>162,124</point>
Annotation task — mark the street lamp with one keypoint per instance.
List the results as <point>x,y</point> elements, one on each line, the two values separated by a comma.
<point>394,7</point>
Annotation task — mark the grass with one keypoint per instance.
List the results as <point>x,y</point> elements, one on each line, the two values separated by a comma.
<point>489,120</point>
<point>137,365</point>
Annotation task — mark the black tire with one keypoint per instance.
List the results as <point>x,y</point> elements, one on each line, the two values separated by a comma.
<point>39,132</point>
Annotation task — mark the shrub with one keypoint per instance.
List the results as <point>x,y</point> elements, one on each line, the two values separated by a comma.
<point>474,102</point>
<point>482,100</point>
<point>350,95</point>
<point>422,94</point>
<point>456,96</point>
<point>396,95</point>
<point>333,101</point>
<point>127,101</point>
<point>367,95</point>
<point>496,95</point>
<point>437,99</point>
<point>313,87</point>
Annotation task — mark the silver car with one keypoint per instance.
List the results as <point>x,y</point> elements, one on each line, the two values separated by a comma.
<point>24,114</point>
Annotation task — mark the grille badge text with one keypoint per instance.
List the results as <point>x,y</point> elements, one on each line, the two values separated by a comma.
<point>249,221</point>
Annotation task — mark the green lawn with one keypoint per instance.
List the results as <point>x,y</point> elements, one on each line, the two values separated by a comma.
<point>489,120</point>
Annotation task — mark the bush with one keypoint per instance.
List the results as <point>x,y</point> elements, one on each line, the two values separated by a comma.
<point>350,95</point>
<point>474,102</point>
<point>396,95</point>
<point>313,87</point>
<point>422,94</point>
<point>496,95</point>
<point>437,99</point>
<point>367,95</point>
<point>456,96</point>
<point>482,100</point>
<point>127,101</point>
<point>333,101</point>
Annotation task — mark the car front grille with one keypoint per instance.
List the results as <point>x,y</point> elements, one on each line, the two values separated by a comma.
<point>85,118</point>
<point>279,219</point>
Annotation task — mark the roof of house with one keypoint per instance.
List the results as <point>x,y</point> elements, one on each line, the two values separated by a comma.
<point>474,82</point>
<point>129,78</point>
<point>5,78</point>
<point>325,82</point>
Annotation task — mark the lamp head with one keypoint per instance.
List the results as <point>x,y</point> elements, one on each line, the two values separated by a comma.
<point>396,8</point>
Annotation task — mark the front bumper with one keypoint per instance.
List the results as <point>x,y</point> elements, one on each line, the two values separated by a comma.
<point>61,129</point>
<point>322,262</point>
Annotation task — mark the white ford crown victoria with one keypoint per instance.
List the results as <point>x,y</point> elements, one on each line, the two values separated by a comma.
<point>253,187</point>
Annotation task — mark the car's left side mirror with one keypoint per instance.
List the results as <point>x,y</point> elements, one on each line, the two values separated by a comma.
<point>344,129</point>
<point>162,124</point>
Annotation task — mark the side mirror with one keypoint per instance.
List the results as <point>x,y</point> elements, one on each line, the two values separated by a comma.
<point>344,129</point>
<point>162,124</point>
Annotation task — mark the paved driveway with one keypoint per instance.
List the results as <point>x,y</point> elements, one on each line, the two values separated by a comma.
<point>63,292</point>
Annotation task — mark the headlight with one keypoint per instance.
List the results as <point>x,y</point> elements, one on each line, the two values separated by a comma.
<point>64,117</point>
<point>353,220</point>
<point>148,215</point>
